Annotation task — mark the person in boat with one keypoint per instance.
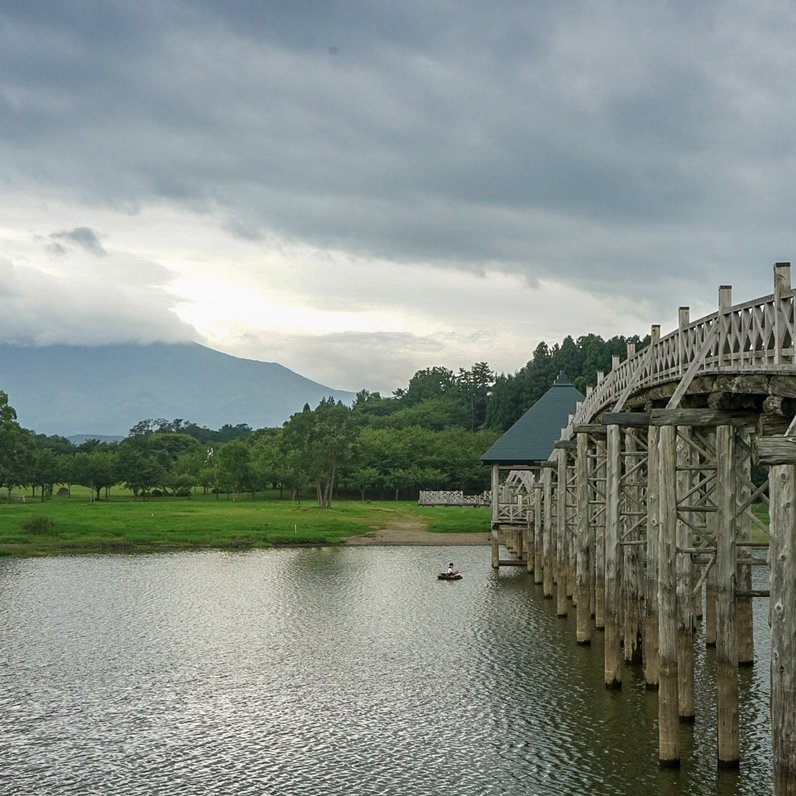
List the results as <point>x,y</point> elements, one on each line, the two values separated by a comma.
<point>451,570</point>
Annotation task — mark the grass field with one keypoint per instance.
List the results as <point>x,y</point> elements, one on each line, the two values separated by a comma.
<point>68,525</point>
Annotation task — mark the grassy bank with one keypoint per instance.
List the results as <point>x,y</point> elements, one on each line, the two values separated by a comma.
<point>68,525</point>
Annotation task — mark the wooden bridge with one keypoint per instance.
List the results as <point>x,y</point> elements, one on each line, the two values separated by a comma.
<point>641,521</point>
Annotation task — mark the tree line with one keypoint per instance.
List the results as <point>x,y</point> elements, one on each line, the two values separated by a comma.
<point>428,435</point>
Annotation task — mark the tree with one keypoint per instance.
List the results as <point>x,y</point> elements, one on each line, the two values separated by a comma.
<point>233,466</point>
<point>95,469</point>
<point>16,448</point>
<point>322,442</point>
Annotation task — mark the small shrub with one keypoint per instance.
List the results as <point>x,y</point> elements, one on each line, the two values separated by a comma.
<point>183,491</point>
<point>156,493</point>
<point>39,526</point>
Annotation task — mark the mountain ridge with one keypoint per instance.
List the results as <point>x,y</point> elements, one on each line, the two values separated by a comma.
<point>105,390</point>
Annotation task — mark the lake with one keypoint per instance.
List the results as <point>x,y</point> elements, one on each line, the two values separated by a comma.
<point>331,671</point>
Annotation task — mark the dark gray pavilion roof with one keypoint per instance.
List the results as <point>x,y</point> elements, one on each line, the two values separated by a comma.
<point>532,437</point>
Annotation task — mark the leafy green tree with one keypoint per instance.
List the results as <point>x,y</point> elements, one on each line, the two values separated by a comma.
<point>138,469</point>
<point>16,448</point>
<point>233,466</point>
<point>96,469</point>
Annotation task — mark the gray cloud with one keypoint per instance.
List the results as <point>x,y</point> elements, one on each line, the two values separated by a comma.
<point>85,237</point>
<point>643,149</point>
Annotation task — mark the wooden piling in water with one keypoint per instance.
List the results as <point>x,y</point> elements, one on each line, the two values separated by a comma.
<point>538,507</point>
<point>782,556</point>
<point>726,632</point>
<point>548,539</point>
<point>743,533</point>
<point>668,702</point>
<point>632,590</point>
<point>583,580</point>
<point>613,560</point>
<point>684,584</point>
<point>562,542</point>
<point>651,643</point>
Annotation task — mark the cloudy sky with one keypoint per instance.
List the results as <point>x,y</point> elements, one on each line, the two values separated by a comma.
<point>358,190</point>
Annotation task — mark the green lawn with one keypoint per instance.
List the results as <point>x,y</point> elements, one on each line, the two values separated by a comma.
<point>64,525</point>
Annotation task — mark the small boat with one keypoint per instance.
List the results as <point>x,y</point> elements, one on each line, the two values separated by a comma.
<point>446,576</point>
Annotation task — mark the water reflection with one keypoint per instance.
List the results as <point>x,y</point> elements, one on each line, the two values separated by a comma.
<point>350,671</point>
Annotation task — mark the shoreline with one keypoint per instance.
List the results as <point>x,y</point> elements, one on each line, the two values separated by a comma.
<point>414,533</point>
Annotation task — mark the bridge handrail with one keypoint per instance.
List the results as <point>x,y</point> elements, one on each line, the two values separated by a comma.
<point>754,335</point>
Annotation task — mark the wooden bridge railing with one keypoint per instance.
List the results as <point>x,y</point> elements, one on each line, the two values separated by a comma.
<point>755,334</point>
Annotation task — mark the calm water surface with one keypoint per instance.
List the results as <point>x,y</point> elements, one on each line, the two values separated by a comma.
<point>324,672</point>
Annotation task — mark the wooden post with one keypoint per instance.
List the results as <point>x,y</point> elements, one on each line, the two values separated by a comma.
<point>743,533</point>
<point>613,569</point>
<point>495,494</point>
<point>683,319</point>
<point>583,578</point>
<point>547,534</point>
<point>725,302</point>
<point>710,587</point>
<point>650,645</point>
<point>562,533</point>
<point>632,575</point>
<point>529,530</point>
<point>668,708</point>
<point>782,290</point>
<point>684,589</point>
<point>537,523</point>
<point>495,542</point>
<point>726,633</point>
<point>597,534</point>
<point>782,557</point>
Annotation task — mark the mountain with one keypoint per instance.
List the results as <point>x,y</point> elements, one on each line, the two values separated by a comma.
<point>73,390</point>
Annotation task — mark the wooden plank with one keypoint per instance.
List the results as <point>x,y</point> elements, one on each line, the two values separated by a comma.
<point>595,429</point>
<point>701,418</point>
<point>651,634</point>
<point>562,444</point>
<point>774,450</point>
<point>626,419</point>
<point>562,541</point>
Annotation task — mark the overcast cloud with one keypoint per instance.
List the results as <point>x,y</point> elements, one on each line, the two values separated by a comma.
<point>361,189</point>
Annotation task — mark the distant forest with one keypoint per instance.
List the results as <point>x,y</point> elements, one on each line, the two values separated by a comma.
<point>428,435</point>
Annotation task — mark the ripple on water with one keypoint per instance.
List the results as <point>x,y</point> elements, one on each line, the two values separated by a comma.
<point>323,672</point>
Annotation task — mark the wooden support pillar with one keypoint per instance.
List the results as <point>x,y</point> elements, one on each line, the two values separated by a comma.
<point>743,533</point>
<point>537,524</point>
<point>547,534</point>
<point>529,534</point>
<point>684,589</point>
<point>583,579</point>
<point>495,501</point>
<point>726,632</point>
<point>495,542</point>
<point>613,561</point>
<point>782,558</point>
<point>710,587</point>
<point>597,533</point>
<point>651,631</point>
<point>562,531</point>
<point>632,573</point>
<point>668,703</point>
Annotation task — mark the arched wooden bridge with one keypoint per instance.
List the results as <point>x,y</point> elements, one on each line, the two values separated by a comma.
<point>645,507</point>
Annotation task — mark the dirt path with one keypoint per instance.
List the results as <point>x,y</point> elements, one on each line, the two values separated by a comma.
<point>414,533</point>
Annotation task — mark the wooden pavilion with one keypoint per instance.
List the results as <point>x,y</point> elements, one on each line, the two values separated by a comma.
<point>517,458</point>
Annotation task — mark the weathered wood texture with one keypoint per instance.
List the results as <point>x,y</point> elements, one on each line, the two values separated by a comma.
<point>651,624</point>
<point>548,540</point>
<point>583,579</point>
<point>562,533</point>
<point>782,479</point>
<point>613,561</point>
<point>684,580</point>
<point>726,626</point>
<point>668,701</point>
